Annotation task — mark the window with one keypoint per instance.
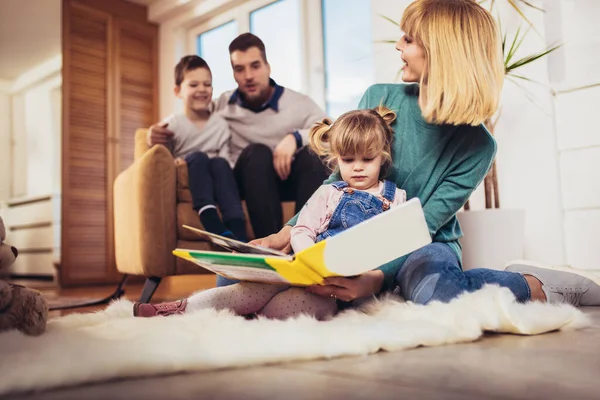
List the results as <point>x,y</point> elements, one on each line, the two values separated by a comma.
<point>348,48</point>
<point>278,25</point>
<point>213,46</point>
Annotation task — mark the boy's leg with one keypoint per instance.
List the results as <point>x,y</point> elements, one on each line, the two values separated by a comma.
<point>203,197</point>
<point>259,186</point>
<point>297,301</point>
<point>228,197</point>
<point>306,176</point>
<point>433,273</point>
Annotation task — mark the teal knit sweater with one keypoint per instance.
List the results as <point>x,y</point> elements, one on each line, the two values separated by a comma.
<point>439,164</point>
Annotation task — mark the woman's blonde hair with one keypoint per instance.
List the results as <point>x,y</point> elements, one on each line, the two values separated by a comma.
<point>465,67</point>
<point>356,132</point>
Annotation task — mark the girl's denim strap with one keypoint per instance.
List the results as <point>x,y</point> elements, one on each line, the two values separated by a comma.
<point>339,185</point>
<point>389,190</point>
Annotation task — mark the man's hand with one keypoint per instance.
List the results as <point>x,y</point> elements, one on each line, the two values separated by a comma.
<point>277,241</point>
<point>282,156</point>
<point>159,134</point>
<point>348,289</point>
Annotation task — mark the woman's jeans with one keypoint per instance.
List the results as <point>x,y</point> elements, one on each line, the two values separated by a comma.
<point>222,281</point>
<point>434,273</point>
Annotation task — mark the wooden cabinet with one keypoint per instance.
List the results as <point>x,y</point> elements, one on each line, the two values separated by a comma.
<point>110,89</point>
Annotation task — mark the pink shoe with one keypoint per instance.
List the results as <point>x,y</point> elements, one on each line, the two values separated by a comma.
<point>147,310</point>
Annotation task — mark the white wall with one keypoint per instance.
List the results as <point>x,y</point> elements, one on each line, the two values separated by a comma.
<point>5,124</point>
<point>41,138</point>
<point>527,150</point>
<point>171,43</point>
<point>578,136</point>
<point>36,132</point>
<point>56,120</point>
<point>18,171</point>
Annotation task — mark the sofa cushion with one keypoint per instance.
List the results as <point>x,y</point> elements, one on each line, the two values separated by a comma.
<point>185,267</point>
<point>184,195</point>
<point>141,144</point>
<point>183,188</point>
<point>187,216</point>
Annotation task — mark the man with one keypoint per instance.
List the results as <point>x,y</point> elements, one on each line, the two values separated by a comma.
<point>269,132</point>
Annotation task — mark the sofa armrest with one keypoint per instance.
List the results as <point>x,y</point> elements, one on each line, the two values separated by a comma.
<point>145,215</point>
<point>141,144</point>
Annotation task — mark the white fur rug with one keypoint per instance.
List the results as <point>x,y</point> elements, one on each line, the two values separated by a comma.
<point>112,344</point>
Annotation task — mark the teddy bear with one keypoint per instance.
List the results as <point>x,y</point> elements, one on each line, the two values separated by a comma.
<point>21,308</point>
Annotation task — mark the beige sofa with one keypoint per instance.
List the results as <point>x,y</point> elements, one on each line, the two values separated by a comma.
<point>152,201</point>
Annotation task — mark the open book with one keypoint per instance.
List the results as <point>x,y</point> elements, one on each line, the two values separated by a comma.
<point>364,247</point>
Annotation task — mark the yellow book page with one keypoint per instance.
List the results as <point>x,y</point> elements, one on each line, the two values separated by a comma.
<point>295,271</point>
<point>314,258</point>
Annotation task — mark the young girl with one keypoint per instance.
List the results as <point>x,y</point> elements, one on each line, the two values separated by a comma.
<point>358,144</point>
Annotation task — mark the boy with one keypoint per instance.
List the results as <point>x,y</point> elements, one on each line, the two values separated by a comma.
<point>201,138</point>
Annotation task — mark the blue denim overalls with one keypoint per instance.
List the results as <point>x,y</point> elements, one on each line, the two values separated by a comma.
<point>356,206</point>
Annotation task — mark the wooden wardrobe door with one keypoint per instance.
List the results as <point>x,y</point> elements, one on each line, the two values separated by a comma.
<point>86,119</point>
<point>137,84</point>
<point>109,90</point>
<point>136,97</point>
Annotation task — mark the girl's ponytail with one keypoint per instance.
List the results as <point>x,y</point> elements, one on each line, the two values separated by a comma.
<point>388,115</point>
<point>319,137</point>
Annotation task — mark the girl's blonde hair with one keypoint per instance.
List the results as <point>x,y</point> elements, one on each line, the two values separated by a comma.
<point>356,132</point>
<point>465,67</point>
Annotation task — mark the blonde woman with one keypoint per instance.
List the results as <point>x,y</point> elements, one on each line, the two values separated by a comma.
<point>452,59</point>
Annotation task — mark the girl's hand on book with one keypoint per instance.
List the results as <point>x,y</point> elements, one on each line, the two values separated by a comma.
<point>277,241</point>
<point>348,289</point>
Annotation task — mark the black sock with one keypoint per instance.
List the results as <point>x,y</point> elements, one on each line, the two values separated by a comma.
<point>238,227</point>
<point>212,223</point>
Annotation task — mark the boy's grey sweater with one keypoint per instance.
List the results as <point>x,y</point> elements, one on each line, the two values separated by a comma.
<point>213,139</point>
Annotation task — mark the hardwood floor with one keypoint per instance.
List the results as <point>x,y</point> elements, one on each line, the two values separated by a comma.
<point>171,288</point>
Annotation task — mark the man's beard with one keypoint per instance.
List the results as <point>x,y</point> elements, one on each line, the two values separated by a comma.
<point>260,99</point>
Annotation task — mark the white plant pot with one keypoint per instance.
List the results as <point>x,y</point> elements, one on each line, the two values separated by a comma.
<point>492,237</point>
